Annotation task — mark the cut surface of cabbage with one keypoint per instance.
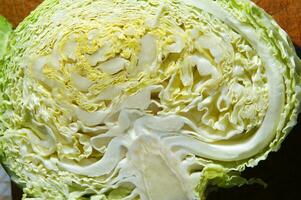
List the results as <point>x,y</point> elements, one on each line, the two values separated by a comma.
<point>143,99</point>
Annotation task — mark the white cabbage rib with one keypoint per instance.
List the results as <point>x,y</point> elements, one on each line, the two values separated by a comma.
<point>266,132</point>
<point>139,99</point>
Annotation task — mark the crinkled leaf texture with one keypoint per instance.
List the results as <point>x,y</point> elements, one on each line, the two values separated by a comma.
<point>144,99</point>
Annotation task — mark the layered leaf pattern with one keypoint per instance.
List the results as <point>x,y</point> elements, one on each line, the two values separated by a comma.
<point>144,99</point>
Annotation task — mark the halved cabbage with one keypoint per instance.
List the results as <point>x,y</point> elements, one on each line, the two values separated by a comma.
<point>144,99</point>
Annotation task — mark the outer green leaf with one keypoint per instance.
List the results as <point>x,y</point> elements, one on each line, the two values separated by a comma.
<point>5,31</point>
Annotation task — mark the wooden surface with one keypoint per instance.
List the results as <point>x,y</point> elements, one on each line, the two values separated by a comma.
<point>286,12</point>
<point>16,10</point>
